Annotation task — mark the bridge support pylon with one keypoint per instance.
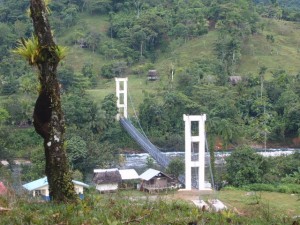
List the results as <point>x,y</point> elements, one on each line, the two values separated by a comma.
<point>194,151</point>
<point>121,93</point>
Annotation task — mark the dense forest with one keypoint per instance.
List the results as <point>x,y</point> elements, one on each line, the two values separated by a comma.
<point>257,107</point>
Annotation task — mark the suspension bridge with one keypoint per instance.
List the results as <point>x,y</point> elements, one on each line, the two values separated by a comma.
<point>145,143</point>
<point>194,166</point>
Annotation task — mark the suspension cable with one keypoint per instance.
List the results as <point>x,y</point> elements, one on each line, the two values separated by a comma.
<point>138,121</point>
<point>210,167</point>
<point>131,102</point>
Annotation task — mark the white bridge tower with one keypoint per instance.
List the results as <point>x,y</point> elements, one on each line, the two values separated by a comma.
<point>121,92</point>
<point>194,151</point>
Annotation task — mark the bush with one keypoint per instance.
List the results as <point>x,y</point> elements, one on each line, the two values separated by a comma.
<point>282,188</point>
<point>259,187</point>
<point>244,166</point>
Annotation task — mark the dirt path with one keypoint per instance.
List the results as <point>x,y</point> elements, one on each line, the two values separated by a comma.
<point>192,195</point>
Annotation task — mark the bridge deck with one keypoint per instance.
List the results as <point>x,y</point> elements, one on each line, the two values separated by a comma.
<point>144,143</point>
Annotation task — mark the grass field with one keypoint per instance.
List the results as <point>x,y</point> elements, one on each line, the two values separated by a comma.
<point>249,203</point>
<point>284,53</point>
<point>135,207</point>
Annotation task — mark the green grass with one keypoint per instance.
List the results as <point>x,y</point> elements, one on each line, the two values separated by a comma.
<point>284,53</point>
<point>182,53</point>
<point>137,86</point>
<point>276,203</point>
<point>133,207</point>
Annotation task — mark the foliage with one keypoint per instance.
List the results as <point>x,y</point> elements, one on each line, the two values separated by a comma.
<point>281,188</point>
<point>36,169</point>
<point>176,167</point>
<point>149,162</point>
<point>4,115</point>
<point>244,166</point>
<point>285,171</point>
<point>113,209</point>
<point>30,50</point>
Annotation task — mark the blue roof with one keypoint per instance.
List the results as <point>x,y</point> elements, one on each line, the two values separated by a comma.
<point>44,182</point>
<point>36,184</point>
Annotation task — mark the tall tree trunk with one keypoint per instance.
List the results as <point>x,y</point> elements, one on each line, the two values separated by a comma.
<point>48,116</point>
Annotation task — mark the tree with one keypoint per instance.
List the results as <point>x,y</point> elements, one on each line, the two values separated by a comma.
<point>244,166</point>
<point>4,115</point>
<point>48,115</point>
<point>176,167</point>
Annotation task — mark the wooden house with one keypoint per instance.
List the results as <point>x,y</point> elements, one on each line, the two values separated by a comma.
<point>107,180</point>
<point>234,80</point>
<point>40,188</point>
<point>153,180</point>
<point>153,75</point>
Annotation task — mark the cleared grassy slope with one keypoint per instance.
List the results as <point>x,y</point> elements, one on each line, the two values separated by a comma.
<point>78,56</point>
<point>284,53</point>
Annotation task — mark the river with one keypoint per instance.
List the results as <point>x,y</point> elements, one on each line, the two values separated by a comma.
<point>139,161</point>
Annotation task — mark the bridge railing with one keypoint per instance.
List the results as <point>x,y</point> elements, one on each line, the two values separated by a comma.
<point>144,143</point>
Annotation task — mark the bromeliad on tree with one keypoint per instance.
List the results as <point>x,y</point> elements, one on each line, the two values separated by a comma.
<point>42,52</point>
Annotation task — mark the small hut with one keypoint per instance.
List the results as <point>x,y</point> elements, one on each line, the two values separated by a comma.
<point>40,188</point>
<point>153,75</point>
<point>154,180</point>
<point>107,180</point>
<point>234,80</point>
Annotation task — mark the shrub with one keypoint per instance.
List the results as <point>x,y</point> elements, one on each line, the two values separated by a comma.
<point>282,188</point>
<point>244,166</point>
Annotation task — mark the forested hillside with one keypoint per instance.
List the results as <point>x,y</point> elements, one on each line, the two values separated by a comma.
<point>236,61</point>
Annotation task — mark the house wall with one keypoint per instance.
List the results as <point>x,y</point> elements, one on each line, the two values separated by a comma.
<point>161,182</point>
<point>44,191</point>
<point>78,189</point>
<point>107,187</point>
<point>41,191</point>
<point>157,182</point>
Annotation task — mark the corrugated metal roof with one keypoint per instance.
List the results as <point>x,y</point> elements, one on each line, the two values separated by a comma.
<point>107,177</point>
<point>148,174</point>
<point>105,170</point>
<point>80,183</point>
<point>129,174</point>
<point>36,184</point>
<point>44,182</point>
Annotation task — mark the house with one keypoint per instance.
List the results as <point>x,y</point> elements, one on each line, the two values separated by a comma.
<point>154,180</point>
<point>153,75</point>
<point>40,187</point>
<point>130,178</point>
<point>4,163</point>
<point>107,180</point>
<point>3,189</point>
<point>234,80</point>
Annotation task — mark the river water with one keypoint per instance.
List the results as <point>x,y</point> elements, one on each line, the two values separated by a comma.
<point>139,161</point>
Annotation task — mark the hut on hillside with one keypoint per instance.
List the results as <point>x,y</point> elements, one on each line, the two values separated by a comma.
<point>153,180</point>
<point>107,180</point>
<point>234,80</point>
<point>153,75</point>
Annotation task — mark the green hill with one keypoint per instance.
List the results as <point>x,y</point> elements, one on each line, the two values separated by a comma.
<point>257,51</point>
